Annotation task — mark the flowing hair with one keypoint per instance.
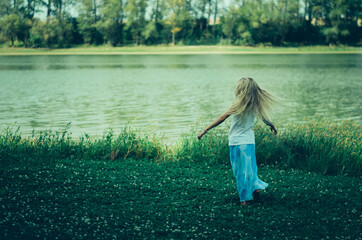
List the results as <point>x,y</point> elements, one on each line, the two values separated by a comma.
<point>250,98</point>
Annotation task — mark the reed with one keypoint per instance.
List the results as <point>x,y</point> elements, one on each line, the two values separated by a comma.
<point>317,145</point>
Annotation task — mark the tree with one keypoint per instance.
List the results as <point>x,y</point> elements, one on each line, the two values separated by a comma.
<point>339,21</point>
<point>118,22</point>
<point>216,5</point>
<point>175,17</point>
<point>201,8</point>
<point>228,23</point>
<point>14,27</point>
<point>88,21</point>
<point>152,32</point>
<point>36,38</point>
<point>135,14</point>
<point>30,8</point>
<point>5,7</point>
<point>111,23</point>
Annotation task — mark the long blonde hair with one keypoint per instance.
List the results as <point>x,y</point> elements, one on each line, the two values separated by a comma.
<point>251,98</point>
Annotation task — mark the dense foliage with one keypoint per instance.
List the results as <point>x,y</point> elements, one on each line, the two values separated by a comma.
<point>185,22</point>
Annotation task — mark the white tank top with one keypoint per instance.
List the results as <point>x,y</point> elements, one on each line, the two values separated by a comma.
<point>241,130</point>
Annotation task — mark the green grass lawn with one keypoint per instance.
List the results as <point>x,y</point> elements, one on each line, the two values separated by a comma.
<point>214,49</point>
<point>134,199</point>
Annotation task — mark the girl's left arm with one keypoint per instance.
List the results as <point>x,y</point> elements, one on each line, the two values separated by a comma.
<point>215,123</point>
<point>270,124</point>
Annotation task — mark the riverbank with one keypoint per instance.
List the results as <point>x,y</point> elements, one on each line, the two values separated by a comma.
<point>138,199</point>
<point>318,145</point>
<point>143,50</point>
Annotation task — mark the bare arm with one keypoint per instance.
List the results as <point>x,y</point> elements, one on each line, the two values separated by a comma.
<point>215,123</point>
<point>270,124</point>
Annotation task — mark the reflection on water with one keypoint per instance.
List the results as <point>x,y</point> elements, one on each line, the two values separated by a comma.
<point>18,67</point>
<point>169,92</point>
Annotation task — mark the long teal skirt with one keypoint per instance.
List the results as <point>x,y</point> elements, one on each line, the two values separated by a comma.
<point>243,163</point>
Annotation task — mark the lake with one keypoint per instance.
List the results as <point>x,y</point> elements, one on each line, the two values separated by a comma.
<point>170,93</point>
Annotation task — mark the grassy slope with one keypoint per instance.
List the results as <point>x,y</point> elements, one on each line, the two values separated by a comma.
<point>141,199</point>
<point>178,50</point>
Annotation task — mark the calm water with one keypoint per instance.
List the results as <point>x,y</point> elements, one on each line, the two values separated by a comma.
<point>169,93</point>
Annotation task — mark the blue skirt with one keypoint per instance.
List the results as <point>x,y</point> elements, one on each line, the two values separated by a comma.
<point>243,163</point>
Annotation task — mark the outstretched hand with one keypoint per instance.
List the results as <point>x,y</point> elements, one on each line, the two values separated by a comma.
<point>200,135</point>
<point>272,128</point>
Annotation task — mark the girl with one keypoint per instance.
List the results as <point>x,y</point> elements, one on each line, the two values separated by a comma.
<point>250,101</point>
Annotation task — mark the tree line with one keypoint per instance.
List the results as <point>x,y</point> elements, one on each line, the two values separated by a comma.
<point>188,22</point>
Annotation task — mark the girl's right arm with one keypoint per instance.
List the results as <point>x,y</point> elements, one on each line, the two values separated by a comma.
<point>215,123</point>
<point>270,124</point>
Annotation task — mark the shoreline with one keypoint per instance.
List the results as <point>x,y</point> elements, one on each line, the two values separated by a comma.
<point>179,50</point>
<point>171,53</point>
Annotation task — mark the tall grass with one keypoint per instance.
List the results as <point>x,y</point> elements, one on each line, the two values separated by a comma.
<point>325,146</point>
<point>50,144</point>
<point>318,145</point>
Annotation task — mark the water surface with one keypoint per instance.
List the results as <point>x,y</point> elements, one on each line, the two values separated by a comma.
<point>170,92</point>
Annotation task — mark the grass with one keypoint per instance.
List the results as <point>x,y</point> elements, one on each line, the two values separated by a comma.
<point>318,145</point>
<point>133,199</point>
<point>164,49</point>
<point>132,186</point>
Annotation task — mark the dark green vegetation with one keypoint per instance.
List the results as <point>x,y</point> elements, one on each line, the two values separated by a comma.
<point>318,145</point>
<point>132,186</point>
<point>184,22</point>
<point>128,199</point>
